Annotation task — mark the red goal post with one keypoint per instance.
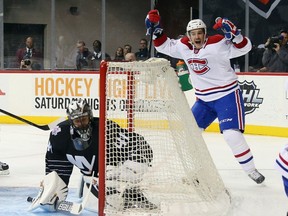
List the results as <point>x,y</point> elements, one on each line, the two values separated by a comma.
<point>173,173</point>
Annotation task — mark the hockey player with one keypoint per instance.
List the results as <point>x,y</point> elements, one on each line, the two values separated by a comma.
<point>281,165</point>
<point>74,142</point>
<point>4,168</point>
<point>215,82</point>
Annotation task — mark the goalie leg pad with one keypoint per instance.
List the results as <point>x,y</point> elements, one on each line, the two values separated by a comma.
<point>132,171</point>
<point>129,171</point>
<point>52,190</point>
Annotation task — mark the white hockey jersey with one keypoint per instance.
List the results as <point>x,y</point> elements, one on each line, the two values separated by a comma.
<point>281,163</point>
<point>210,71</point>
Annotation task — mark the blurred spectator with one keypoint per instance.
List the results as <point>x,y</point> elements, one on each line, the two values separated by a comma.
<point>29,57</point>
<point>238,64</point>
<point>82,58</point>
<point>255,58</point>
<point>275,56</point>
<point>143,52</point>
<point>119,54</point>
<point>127,49</point>
<point>130,57</point>
<point>96,56</point>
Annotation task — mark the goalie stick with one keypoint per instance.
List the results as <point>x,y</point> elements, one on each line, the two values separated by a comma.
<point>153,6</point>
<point>71,207</point>
<point>42,127</point>
<point>65,206</point>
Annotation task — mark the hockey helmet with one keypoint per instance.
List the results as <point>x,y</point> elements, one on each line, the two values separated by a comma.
<point>196,24</point>
<point>78,108</point>
<point>81,131</point>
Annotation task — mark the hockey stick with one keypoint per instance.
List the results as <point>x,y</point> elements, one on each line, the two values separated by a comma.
<point>153,6</point>
<point>42,127</point>
<point>65,206</point>
<point>151,40</point>
<point>82,205</point>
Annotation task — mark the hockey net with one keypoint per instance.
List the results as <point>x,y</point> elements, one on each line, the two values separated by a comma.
<point>180,177</point>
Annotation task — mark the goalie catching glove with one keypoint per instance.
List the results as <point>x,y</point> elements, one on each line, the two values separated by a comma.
<point>231,32</point>
<point>152,23</point>
<point>52,190</point>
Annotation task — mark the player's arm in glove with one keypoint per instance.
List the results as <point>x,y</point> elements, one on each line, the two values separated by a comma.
<point>231,32</point>
<point>152,23</point>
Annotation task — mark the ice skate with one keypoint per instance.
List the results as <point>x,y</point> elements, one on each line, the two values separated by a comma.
<point>256,176</point>
<point>4,169</point>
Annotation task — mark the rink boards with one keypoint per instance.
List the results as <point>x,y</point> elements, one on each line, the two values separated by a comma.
<point>42,97</point>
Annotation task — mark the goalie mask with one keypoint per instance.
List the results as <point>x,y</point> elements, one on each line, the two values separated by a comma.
<point>80,115</point>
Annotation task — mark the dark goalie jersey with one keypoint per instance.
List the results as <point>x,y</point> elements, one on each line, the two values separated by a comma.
<point>121,145</point>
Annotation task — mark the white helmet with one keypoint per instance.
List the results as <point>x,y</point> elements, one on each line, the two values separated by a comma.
<point>195,24</point>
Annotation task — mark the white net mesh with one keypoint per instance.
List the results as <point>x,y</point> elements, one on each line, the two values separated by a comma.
<point>157,162</point>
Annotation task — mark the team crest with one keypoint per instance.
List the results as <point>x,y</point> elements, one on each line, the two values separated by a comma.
<point>250,94</point>
<point>199,66</point>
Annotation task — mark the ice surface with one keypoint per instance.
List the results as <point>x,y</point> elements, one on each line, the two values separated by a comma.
<point>23,148</point>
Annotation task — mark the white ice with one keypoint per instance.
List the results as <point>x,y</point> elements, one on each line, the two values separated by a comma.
<point>23,148</point>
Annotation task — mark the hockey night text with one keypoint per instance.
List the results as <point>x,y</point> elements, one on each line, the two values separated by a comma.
<point>57,92</point>
<point>75,87</point>
<point>82,87</point>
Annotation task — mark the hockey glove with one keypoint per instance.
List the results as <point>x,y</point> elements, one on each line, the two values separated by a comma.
<point>231,32</point>
<point>152,21</point>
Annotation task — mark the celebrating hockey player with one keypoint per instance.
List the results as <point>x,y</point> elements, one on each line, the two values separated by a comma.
<point>75,142</point>
<point>281,164</point>
<point>215,82</point>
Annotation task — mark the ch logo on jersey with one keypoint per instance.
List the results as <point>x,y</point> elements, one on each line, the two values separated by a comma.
<point>199,66</point>
<point>82,163</point>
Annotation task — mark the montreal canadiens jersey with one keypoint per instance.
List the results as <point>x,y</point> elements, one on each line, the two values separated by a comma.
<point>121,145</point>
<point>281,163</point>
<point>210,71</point>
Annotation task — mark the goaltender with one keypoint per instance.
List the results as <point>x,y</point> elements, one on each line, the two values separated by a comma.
<point>74,142</point>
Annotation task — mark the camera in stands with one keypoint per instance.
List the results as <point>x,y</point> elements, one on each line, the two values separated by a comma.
<point>273,40</point>
<point>27,62</point>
